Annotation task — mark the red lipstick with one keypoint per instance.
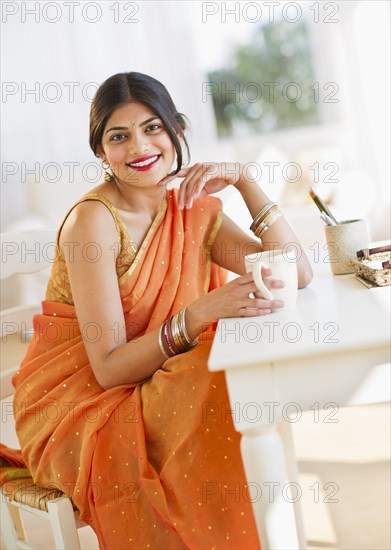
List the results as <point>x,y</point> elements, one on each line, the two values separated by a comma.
<point>144,163</point>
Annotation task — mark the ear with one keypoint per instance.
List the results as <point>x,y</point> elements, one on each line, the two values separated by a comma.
<point>101,154</point>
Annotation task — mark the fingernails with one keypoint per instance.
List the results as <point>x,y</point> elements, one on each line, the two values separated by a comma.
<point>278,303</point>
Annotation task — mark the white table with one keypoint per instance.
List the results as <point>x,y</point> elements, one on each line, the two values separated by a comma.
<point>332,349</point>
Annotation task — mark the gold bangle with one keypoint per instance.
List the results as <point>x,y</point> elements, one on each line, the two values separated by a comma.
<point>261,213</point>
<point>168,337</point>
<point>174,334</point>
<point>269,223</point>
<point>265,219</point>
<point>161,343</point>
<point>182,327</point>
<point>182,342</point>
<point>179,340</point>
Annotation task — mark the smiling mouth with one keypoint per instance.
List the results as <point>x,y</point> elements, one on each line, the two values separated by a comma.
<point>144,164</point>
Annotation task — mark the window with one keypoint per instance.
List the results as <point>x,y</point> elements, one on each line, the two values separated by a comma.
<point>267,83</point>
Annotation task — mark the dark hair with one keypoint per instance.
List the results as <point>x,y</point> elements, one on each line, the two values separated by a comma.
<point>123,88</point>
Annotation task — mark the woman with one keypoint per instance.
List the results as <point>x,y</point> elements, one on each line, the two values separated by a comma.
<point>110,395</point>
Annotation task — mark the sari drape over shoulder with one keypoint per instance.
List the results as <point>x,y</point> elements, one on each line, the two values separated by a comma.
<point>150,465</point>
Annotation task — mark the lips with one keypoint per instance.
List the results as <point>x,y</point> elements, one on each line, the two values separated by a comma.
<point>144,163</point>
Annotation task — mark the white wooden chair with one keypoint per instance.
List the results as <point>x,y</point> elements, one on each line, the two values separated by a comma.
<point>16,327</point>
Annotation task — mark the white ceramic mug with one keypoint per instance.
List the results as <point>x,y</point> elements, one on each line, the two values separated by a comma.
<point>283,266</point>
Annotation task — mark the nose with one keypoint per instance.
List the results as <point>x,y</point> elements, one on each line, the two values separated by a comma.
<point>138,143</point>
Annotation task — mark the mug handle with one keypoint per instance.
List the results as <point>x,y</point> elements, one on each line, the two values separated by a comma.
<point>266,293</point>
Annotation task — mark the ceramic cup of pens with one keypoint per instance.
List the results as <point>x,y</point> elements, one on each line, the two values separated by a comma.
<point>343,238</point>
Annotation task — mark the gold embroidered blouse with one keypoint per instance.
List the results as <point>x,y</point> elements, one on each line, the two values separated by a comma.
<point>59,289</point>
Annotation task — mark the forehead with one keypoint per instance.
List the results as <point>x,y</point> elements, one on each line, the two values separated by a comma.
<point>131,111</point>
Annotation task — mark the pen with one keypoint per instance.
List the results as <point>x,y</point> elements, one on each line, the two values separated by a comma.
<point>327,219</point>
<point>363,281</point>
<point>322,207</point>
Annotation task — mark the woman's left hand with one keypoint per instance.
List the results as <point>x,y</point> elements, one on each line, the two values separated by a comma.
<point>204,179</point>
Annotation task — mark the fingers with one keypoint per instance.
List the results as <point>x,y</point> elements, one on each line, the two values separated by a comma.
<point>261,303</point>
<point>257,306</point>
<point>274,283</point>
<point>195,179</point>
<point>270,283</point>
<point>198,180</point>
<point>181,174</point>
<point>254,312</point>
<point>190,188</point>
<point>208,172</point>
<point>194,184</point>
<point>188,185</point>
<point>244,279</point>
<point>266,272</point>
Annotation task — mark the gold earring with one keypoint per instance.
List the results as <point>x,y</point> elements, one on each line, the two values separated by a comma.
<point>107,177</point>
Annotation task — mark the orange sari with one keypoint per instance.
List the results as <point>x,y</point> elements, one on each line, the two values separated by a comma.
<point>147,464</point>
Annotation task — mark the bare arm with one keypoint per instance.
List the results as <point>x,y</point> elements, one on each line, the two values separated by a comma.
<point>232,244</point>
<point>96,296</point>
<point>91,230</point>
<point>280,233</point>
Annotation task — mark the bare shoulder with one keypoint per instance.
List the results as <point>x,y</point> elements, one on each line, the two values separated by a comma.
<point>89,215</point>
<point>90,222</point>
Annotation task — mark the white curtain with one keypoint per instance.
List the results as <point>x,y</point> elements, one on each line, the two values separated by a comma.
<point>47,132</point>
<point>165,42</point>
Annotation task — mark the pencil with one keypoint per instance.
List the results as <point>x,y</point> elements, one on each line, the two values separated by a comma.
<point>322,207</point>
<point>364,281</point>
<point>326,218</point>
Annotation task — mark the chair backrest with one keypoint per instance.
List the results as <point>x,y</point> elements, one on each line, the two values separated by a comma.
<point>16,326</point>
<point>26,251</point>
<point>22,252</point>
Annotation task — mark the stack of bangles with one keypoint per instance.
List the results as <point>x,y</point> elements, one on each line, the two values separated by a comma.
<point>173,336</point>
<point>265,219</point>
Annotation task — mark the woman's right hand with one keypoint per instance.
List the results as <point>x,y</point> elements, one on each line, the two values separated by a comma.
<point>230,300</point>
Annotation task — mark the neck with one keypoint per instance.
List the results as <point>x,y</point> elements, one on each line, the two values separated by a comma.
<point>145,201</point>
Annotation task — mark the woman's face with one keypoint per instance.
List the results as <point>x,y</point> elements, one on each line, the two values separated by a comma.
<point>136,145</point>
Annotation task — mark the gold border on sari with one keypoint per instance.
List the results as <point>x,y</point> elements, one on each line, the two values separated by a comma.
<point>209,245</point>
<point>158,217</point>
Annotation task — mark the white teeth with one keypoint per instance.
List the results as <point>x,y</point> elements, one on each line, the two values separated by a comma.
<point>144,163</point>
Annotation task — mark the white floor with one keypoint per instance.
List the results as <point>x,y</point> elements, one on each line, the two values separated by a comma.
<point>344,476</point>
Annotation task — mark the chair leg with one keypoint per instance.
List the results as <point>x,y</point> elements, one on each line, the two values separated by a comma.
<point>62,521</point>
<point>12,529</point>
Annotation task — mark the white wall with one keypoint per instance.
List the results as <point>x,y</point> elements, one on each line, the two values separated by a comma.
<point>169,41</point>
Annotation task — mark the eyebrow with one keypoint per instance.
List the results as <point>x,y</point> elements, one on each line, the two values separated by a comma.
<point>125,128</point>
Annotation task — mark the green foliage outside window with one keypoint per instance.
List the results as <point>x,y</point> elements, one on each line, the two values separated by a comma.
<point>269,83</point>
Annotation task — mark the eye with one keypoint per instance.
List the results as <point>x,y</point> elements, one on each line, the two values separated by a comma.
<point>117,137</point>
<point>154,127</point>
